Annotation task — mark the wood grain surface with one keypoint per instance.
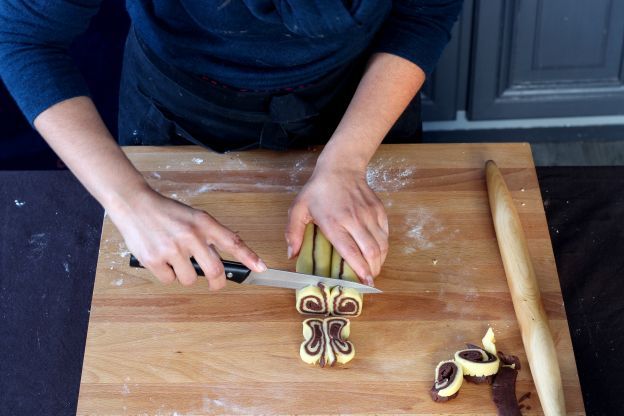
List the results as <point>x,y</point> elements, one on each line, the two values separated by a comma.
<point>169,350</point>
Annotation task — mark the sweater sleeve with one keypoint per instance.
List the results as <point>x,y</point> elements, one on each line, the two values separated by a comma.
<point>418,30</point>
<point>35,36</point>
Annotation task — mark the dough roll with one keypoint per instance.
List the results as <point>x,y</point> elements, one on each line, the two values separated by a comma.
<point>345,301</point>
<point>313,300</point>
<point>448,379</point>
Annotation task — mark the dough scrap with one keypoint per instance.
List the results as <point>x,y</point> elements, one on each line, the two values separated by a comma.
<point>504,391</point>
<point>480,364</point>
<point>313,300</point>
<point>448,379</point>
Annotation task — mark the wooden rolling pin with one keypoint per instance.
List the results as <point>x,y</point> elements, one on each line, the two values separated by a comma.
<point>525,294</point>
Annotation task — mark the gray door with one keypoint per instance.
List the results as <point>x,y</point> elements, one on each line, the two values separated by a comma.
<point>444,91</point>
<point>546,58</point>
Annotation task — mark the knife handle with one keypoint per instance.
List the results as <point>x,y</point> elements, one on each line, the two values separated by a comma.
<point>234,271</point>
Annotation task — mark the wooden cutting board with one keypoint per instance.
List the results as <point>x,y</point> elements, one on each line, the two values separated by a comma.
<point>170,350</point>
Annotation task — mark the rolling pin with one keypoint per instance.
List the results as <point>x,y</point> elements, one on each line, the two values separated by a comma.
<point>525,294</point>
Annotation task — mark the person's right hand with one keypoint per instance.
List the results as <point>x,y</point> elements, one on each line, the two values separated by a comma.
<point>163,234</point>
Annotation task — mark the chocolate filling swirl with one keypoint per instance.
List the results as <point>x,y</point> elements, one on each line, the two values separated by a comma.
<point>312,304</point>
<point>446,375</point>
<point>448,379</point>
<point>316,344</point>
<point>315,303</point>
<point>477,356</point>
<point>479,365</point>
<point>334,332</point>
<point>337,301</point>
<point>345,305</point>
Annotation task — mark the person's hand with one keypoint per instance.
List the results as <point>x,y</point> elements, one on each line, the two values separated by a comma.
<point>340,202</point>
<point>163,234</point>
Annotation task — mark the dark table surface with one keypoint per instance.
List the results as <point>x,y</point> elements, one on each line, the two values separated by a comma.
<point>50,229</point>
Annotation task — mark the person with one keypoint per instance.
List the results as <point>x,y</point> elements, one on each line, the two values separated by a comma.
<point>233,75</point>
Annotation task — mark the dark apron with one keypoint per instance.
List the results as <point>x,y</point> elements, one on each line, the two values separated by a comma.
<point>160,105</point>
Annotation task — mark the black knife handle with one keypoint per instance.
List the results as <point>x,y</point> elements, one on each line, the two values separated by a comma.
<point>234,271</point>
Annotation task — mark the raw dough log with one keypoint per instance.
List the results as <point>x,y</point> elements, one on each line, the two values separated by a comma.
<point>337,301</point>
<point>448,380</point>
<point>313,300</point>
<point>318,257</point>
<point>480,364</point>
<point>325,341</point>
<point>340,269</point>
<point>315,254</point>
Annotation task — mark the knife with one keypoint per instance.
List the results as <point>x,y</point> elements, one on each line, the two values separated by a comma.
<point>239,273</point>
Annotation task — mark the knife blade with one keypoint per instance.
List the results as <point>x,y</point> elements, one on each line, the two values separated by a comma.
<point>239,273</point>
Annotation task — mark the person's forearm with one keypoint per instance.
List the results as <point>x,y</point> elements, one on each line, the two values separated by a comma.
<point>75,131</point>
<point>387,87</point>
<point>163,234</point>
<point>354,219</point>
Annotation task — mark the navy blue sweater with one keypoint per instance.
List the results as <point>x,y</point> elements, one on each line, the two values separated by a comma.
<point>254,44</point>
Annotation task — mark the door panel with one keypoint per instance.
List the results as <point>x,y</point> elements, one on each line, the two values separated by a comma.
<point>445,91</point>
<point>547,58</point>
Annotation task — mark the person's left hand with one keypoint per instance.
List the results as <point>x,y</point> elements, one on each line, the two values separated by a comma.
<point>352,217</point>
